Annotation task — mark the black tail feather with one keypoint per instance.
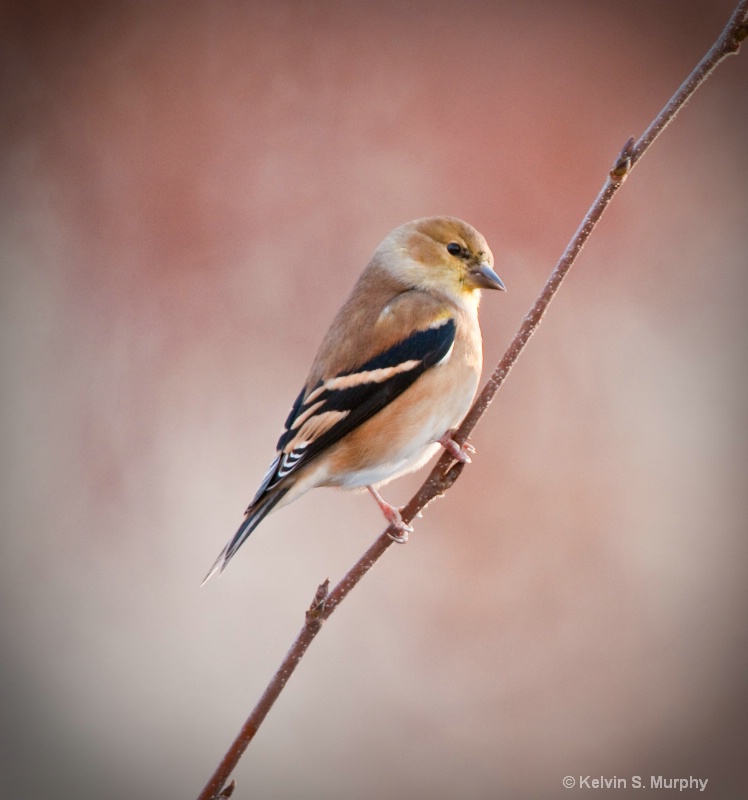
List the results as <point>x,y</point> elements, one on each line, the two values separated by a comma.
<point>254,516</point>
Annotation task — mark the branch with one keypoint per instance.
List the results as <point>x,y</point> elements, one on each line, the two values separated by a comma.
<point>446,471</point>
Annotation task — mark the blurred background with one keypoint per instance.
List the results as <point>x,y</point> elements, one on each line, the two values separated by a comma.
<point>188,192</point>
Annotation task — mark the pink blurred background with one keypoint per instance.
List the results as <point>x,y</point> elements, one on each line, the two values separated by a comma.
<point>189,191</point>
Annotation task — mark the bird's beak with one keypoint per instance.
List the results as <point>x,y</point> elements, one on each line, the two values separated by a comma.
<point>483,277</point>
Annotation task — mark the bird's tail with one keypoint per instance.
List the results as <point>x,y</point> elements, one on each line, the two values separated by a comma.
<point>256,512</point>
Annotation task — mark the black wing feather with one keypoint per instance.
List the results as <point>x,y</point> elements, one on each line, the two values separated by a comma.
<point>362,401</point>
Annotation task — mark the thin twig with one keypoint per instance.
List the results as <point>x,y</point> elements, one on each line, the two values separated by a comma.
<point>446,472</point>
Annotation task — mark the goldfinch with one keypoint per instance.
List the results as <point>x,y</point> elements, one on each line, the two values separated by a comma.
<point>394,376</point>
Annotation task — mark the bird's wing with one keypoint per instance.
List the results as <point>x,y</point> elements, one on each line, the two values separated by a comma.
<point>325,412</point>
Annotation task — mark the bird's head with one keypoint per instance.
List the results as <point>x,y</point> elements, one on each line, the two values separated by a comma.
<point>441,254</point>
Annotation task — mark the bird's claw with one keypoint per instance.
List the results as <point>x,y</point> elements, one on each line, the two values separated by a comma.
<point>402,537</point>
<point>392,515</point>
<point>402,529</point>
<point>461,454</point>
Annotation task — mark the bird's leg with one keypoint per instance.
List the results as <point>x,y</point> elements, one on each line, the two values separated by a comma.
<point>392,515</point>
<point>461,454</point>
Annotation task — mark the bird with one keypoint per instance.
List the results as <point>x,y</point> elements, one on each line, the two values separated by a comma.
<point>395,374</point>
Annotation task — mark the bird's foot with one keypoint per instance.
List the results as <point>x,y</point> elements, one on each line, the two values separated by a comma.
<point>392,515</point>
<point>461,454</point>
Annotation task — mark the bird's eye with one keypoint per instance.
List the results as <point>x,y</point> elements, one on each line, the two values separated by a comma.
<point>454,249</point>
